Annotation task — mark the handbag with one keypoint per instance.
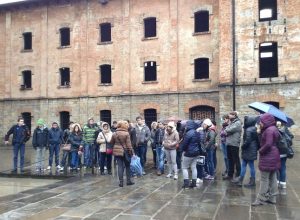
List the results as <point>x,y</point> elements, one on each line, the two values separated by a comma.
<point>126,155</point>
<point>109,149</point>
<point>65,146</point>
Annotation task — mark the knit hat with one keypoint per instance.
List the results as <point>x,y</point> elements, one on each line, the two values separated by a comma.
<point>172,124</point>
<point>40,122</point>
<point>207,122</point>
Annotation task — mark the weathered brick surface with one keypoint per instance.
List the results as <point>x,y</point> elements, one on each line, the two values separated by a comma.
<point>174,50</point>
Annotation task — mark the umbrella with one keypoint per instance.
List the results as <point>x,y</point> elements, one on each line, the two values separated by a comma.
<point>290,122</point>
<point>266,108</point>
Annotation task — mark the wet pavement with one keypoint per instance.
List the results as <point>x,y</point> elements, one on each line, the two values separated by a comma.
<point>84,195</point>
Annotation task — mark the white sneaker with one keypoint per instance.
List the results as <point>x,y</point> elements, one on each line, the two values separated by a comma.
<point>61,169</point>
<point>175,177</point>
<point>282,185</point>
<point>58,167</point>
<point>199,181</point>
<point>48,168</point>
<point>105,168</point>
<point>169,175</point>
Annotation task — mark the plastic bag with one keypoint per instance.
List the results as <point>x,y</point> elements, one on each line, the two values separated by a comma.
<point>136,166</point>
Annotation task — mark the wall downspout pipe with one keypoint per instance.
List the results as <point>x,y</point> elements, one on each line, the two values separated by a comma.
<point>233,58</point>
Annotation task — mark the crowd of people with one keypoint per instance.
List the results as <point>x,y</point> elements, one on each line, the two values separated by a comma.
<point>175,146</point>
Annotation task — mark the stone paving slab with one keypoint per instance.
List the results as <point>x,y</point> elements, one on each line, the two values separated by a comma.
<point>87,196</point>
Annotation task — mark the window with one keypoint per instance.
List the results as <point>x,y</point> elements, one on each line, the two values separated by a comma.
<point>64,37</point>
<point>150,116</point>
<point>26,75</point>
<point>27,119</point>
<point>105,32</point>
<point>64,76</point>
<point>201,70</point>
<point>64,120</point>
<point>201,21</point>
<point>27,37</point>
<point>150,71</point>
<point>105,74</point>
<point>267,10</point>
<point>268,60</point>
<point>105,115</point>
<point>150,27</point>
<point>202,112</point>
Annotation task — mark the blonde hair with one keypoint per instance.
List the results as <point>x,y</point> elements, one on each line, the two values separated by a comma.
<point>154,124</point>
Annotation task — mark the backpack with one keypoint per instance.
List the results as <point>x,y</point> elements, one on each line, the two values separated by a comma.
<point>284,144</point>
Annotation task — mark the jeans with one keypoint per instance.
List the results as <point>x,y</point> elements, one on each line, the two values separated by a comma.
<point>160,158</point>
<point>121,166</point>
<point>268,186</point>
<point>210,161</point>
<point>281,176</point>
<point>74,159</point>
<point>215,159</point>
<point>224,151</point>
<point>171,159</point>
<point>189,162</point>
<point>141,152</point>
<point>233,160</point>
<point>54,149</point>
<point>89,155</point>
<point>66,154</point>
<point>105,160</point>
<point>39,158</point>
<point>244,167</point>
<point>16,148</point>
<point>178,159</point>
<point>154,154</point>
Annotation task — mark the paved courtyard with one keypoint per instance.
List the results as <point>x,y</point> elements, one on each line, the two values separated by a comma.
<point>91,196</point>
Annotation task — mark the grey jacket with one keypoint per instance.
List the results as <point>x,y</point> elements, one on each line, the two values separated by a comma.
<point>143,135</point>
<point>234,133</point>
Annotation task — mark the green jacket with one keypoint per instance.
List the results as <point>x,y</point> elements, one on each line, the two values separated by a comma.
<point>89,134</point>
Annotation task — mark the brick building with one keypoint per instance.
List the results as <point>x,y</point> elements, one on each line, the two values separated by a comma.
<point>67,60</point>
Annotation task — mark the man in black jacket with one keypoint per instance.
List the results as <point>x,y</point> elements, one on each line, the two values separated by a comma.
<point>21,135</point>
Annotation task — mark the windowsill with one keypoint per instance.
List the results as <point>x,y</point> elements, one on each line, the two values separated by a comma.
<point>64,87</point>
<point>64,47</point>
<point>149,38</point>
<point>201,80</point>
<point>201,33</point>
<point>267,19</point>
<point>105,43</point>
<point>23,89</point>
<point>105,84</point>
<point>26,51</point>
<point>150,82</point>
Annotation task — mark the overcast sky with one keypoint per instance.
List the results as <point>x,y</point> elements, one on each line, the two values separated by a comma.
<point>9,1</point>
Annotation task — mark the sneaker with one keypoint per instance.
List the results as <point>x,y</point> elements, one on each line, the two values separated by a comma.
<point>48,168</point>
<point>61,169</point>
<point>199,181</point>
<point>175,177</point>
<point>144,173</point>
<point>169,175</point>
<point>282,185</point>
<point>209,177</point>
<point>158,173</point>
<point>58,167</point>
<point>105,168</point>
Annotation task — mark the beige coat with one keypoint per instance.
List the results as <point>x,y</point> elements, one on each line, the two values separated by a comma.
<point>101,140</point>
<point>170,140</point>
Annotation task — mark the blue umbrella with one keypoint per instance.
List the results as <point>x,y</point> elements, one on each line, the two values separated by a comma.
<point>266,108</point>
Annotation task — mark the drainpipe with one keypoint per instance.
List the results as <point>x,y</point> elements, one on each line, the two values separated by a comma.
<point>233,57</point>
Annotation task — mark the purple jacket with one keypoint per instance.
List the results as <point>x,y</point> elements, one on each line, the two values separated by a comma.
<point>269,159</point>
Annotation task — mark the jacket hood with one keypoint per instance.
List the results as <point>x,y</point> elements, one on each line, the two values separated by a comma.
<point>212,128</point>
<point>190,125</point>
<point>76,124</point>
<point>267,120</point>
<point>172,125</point>
<point>250,121</point>
<point>122,125</point>
<point>105,123</point>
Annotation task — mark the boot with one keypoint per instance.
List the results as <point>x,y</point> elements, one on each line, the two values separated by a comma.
<point>129,183</point>
<point>121,183</point>
<point>193,183</point>
<point>186,183</point>
<point>251,183</point>
<point>240,183</point>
